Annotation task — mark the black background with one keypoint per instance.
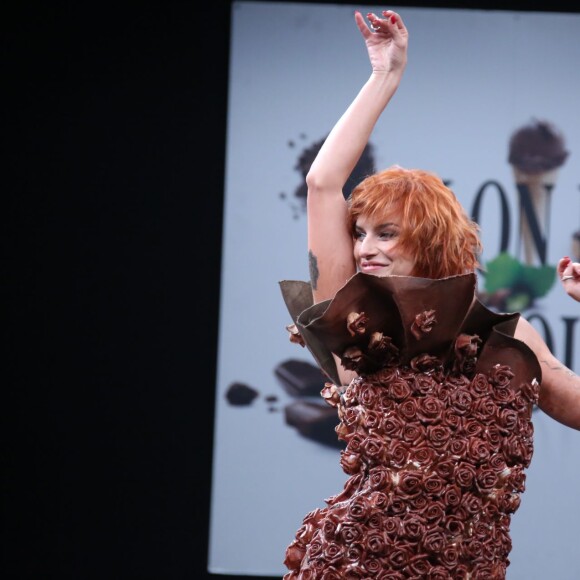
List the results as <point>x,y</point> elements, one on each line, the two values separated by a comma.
<point>114,147</point>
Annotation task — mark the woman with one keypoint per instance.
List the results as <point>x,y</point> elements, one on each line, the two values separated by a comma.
<point>434,392</point>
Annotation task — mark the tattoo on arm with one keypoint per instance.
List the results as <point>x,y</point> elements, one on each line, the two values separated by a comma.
<point>559,367</point>
<point>313,267</point>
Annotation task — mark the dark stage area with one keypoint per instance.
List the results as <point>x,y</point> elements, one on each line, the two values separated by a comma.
<point>114,149</point>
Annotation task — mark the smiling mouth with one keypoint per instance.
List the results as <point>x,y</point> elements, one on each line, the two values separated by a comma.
<point>372,266</point>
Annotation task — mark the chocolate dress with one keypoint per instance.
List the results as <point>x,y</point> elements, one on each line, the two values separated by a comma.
<point>437,428</point>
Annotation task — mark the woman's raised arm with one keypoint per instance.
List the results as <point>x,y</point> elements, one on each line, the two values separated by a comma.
<point>330,243</point>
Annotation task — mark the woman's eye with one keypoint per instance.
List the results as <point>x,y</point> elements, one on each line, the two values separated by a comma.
<point>387,235</point>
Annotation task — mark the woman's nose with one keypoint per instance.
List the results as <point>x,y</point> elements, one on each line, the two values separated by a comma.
<point>368,247</point>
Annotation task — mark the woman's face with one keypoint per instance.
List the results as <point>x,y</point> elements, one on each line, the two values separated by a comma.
<point>375,247</point>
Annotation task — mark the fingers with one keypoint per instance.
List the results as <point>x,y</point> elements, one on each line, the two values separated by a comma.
<point>568,270</point>
<point>390,22</point>
<point>562,265</point>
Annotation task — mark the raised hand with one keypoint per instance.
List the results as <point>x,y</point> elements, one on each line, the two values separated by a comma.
<point>386,39</point>
<point>569,273</point>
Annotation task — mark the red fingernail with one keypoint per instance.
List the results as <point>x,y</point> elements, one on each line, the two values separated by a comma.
<point>393,19</point>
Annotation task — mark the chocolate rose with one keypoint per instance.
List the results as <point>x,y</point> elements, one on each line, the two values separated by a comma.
<point>379,500</point>
<point>418,567</point>
<point>423,324</point>
<point>430,409</point>
<point>305,533</point>
<point>480,385</point>
<point>375,520</point>
<point>399,390</point>
<point>354,552</point>
<point>445,468</point>
<point>478,450</point>
<point>398,454</point>
<point>471,427</point>
<point>531,391</point>
<point>485,410</point>
<point>359,508</point>
<point>372,566</point>
<point>513,449</point>
<point>294,335</point>
<point>351,394</point>
<point>382,349</point>
<point>434,512</point>
<point>294,554</point>
<point>412,527</point>
<point>462,571</point>
<point>398,505</point>
<point>486,479</point>
<point>522,405</point>
<point>399,555</point>
<point>419,502</point>
<point>497,462</point>
<point>423,384</point>
<point>449,557</point>
<point>408,409</point>
<point>380,478</point>
<point>410,483</point>
<point>504,395</point>
<point>457,447</point>
<point>331,394</point>
<point>390,574</point>
<point>438,435</point>
<point>393,527</point>
<point>315,548</point>
<point>425,363</point>
<point>452,419</point>
<point>353,359</point>
<point>356,323</point>
<point>329,526</point>
<point>434,541</point>
<point>373,450</point>
<point>350,462</point>
<point>454,526</point>
<point>465,475</point>
<point>501,375</point>
<point>375,543</point>
<point>369,395</point>
<point>461,401</point>
<point>472,503</point>
<point>413,433</point>
<point>333,553</point>
<point>421,455</point>
<point>452,495</point>
<point>467,345</point>
<point>372,420</point>
<point>354,444</point>
<point>493,436</point>
<point>385,404</point>
<point>507,420</point>
<point>392,426</point>
<point>350,416</point>
<point>525,428</point>
<point>434,484</point>
<point>351,532</point>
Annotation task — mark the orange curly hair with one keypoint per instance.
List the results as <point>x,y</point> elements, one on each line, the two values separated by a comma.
<point>435,229</point>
